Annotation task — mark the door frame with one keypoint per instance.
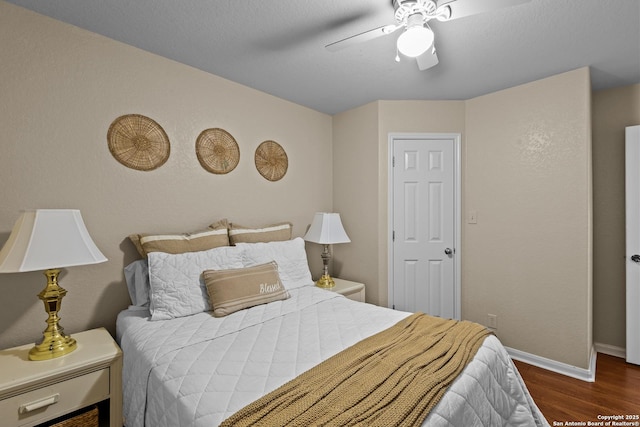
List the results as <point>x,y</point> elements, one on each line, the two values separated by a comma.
<point>457,220</point>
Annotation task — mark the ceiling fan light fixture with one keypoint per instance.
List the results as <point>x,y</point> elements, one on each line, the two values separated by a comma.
<point>415,40</point>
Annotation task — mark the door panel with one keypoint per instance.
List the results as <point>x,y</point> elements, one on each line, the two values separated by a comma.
<point>436,207</point>
<point>423,224</point>
<point>632,189</point>
<point>411,212</point>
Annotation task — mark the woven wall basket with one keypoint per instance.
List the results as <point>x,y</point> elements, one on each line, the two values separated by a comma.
<point>271,160</point>
<point>217,151</point>
<point>138,142</point>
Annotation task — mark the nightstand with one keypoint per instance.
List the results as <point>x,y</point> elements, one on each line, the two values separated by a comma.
<point>351,290</point>
<point>32,392</point>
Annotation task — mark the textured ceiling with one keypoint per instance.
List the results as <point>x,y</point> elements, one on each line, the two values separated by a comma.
<point>278,46</point>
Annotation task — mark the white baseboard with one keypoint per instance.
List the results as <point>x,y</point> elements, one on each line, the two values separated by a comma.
<point>588,375</point>
<point>611,350</point>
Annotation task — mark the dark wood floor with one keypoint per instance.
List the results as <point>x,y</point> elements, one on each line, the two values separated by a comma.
<point>616,391</point>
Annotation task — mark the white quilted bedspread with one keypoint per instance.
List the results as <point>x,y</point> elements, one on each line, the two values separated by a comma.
<point>198,370</point>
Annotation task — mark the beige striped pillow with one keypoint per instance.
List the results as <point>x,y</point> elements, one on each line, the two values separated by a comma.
<point>270,233</point>
<point>236,289</point>
<point>177,243</point>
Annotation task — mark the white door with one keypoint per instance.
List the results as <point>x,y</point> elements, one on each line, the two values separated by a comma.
<point>424,226</point>
<point>632,189</point>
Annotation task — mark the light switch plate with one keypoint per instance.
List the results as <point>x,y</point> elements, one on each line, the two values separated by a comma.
<point>472,217</point>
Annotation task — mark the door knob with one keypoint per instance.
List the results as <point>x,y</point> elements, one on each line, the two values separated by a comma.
<point>635,258</point>
<point>448,251</point>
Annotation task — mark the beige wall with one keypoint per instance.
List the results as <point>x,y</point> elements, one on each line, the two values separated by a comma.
<point>61,89</point>
<point>361,193</point>
<point>528,176</point>
<point>613,110</point>
<point>355,168</point>
<point>526,170</point>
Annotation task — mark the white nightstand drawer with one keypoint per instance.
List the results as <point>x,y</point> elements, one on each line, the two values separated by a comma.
<point>56,399</point>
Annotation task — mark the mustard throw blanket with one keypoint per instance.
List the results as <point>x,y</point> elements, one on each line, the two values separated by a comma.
<point>393,378</point>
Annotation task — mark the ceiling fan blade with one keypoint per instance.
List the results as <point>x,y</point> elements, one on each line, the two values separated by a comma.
<point>362,37</point>
<point>462,8</point>
<point>427,60</point>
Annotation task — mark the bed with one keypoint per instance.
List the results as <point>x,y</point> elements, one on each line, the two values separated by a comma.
<point>186,363</point>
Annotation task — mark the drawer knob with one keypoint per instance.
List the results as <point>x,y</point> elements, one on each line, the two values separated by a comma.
<point>37,404</point>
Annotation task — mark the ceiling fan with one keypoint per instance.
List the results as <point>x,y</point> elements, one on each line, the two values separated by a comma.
<point>417,39</point>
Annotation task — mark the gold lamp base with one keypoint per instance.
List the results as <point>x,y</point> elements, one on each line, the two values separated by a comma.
<point>52,348</point>
<point>325,282</point>
<point>54,342</point>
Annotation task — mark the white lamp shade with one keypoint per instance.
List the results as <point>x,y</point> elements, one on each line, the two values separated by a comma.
<point>48,238</point>
<point>326,229</point>
<point>415,40</point>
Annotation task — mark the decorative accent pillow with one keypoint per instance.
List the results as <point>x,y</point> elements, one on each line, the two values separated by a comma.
<point>269,233</point>
<point>177,243</point>
<point>177,285</point>
<point>290,256</point>
<point>236,289</point>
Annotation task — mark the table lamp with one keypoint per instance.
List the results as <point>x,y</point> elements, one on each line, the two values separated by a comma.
<point>326,229</point>
<point>49,239</point>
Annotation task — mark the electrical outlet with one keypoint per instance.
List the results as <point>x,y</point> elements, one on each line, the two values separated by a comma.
<point>492,321</point>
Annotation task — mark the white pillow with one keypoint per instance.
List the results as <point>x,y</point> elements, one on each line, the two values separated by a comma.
<point>177,285</point>
<point>290,256</point>
<point>136,275</point>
